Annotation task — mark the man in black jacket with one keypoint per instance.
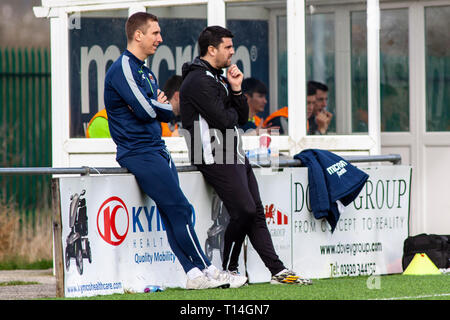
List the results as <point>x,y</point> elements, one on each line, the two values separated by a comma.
<point>212,108</point>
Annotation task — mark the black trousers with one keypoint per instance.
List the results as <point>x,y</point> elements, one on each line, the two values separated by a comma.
<point>237,187</point>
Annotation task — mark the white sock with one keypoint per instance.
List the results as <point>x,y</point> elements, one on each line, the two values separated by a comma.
<point>282,271</point>
<point>194,273</point>
<point>211,270</point>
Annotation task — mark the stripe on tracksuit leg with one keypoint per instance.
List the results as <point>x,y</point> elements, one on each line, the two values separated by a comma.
<point>231,252</point>
<point>195,246</point>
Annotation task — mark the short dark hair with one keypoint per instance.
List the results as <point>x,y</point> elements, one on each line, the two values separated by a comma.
<point>318,85</point>
<point>212,36</point>
<point>138,21</point>
<point>251,85</point>
<point>172,85</point>
<point>310,89</point>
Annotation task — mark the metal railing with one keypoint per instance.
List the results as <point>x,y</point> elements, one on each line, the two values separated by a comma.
<point>282,163</point>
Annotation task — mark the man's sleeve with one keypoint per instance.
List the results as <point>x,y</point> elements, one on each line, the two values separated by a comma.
<point>144,107</point>
<point>239,102</point>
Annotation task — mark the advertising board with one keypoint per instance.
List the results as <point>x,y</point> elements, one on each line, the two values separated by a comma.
<point>113,238</point>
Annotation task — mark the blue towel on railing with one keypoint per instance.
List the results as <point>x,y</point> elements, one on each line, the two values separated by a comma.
<point>331,179</point>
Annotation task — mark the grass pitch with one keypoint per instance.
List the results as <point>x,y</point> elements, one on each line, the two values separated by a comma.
<point>389,287</point>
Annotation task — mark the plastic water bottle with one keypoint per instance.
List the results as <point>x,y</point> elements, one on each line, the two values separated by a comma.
<point>264,147</point>
<point>153,288</point>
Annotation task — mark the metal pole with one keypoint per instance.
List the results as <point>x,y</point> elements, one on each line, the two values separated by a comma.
<point>282,163</point>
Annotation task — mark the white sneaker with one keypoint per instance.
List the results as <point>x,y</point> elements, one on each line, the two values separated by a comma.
<point>232,277</point>
<point>204,282</point>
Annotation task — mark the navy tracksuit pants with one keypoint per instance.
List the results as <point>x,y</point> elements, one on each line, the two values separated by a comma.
<point>157,176</point>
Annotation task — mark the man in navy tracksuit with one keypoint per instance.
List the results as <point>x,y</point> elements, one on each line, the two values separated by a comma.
<point>135,106</point>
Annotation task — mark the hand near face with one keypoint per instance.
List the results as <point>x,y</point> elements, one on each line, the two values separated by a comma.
<point>162,97</point>
<point>323,120</point>
<point>235,77</point>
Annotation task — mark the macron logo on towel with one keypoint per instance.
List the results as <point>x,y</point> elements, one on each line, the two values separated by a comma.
<point>338,168</point>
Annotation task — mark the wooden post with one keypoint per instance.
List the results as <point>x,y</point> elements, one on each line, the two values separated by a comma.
<point>57,234</point>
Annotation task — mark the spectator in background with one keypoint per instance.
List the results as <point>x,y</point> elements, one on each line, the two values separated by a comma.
<point>98,126</point>
<point>172,91</point>
<point>321,118</point>
<point>256,93</point>
<point>280,117</point>
<point>318,118</point>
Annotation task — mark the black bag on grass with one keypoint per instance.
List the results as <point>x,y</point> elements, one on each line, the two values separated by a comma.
<point>436,247</point>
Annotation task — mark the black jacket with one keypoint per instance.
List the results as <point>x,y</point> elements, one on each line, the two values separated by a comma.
<point>211,114</point>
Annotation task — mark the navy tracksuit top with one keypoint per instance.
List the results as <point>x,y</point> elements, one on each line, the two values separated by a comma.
<point>134,113</point>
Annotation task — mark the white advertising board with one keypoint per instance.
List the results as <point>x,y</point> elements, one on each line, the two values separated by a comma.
<point>125,234</point>
<point>128,245</point>
<point>122,245</point>
<point>368,238</point>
